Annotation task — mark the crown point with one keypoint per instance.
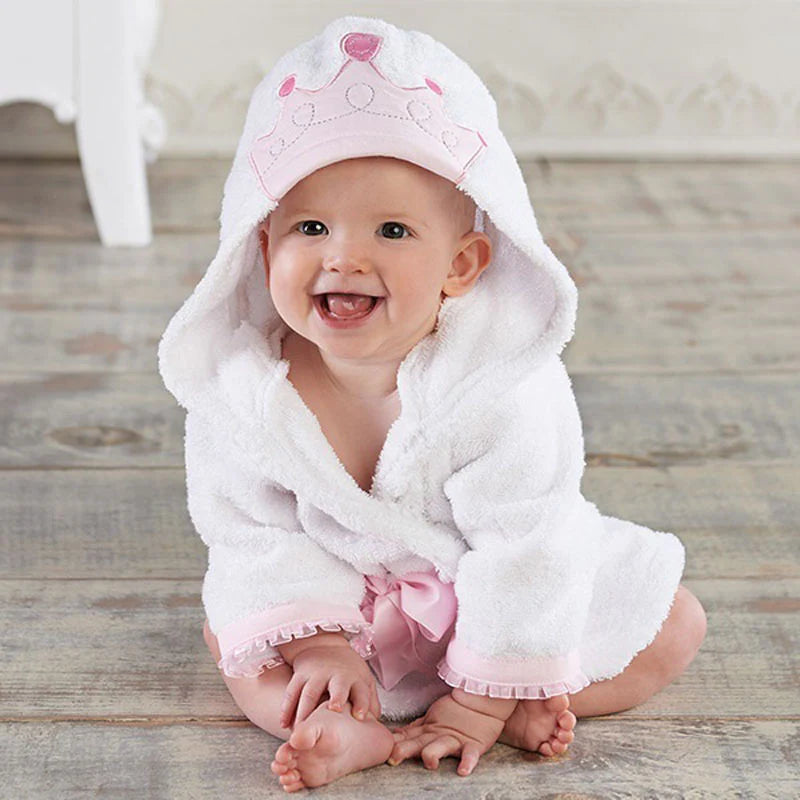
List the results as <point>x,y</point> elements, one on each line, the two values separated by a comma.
<point>361,46</point>
<point>286,87</point>
<point>433,85</point>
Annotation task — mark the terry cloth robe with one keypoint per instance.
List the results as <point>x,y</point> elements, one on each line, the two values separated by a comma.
<point>478,483</point>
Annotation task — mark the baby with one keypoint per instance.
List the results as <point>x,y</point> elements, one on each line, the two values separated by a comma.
<point>383,451</point>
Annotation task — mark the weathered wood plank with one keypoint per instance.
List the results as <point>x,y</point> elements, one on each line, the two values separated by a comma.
<point>705,330</point>
<point>692,261</point>
<point>89,418</point>
<point>572,195</point>
<point>639,328</point>
<point>667,759</point>
<point>89,339</point>
<point>83,274</point>
<point>735,520</point>
<point>41,275</point>
<point>45,274</point>
<point>47,198</point>
<point>687,419</point>
<point>626,195</point>
<point>130,420</point>
<point>650,300</point>
<point>121,649</point>
<point>97,524</point>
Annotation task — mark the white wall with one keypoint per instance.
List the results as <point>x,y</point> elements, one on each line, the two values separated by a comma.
<point>571,77</point>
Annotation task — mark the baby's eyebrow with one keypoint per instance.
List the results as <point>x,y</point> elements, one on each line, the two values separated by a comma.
<point>386,215</point>
<point>400,215</point>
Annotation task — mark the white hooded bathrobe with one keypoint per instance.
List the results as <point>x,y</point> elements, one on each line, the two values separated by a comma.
<point>478,482</point>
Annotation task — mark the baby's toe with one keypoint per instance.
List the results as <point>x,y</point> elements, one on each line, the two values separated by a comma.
<point>294,786</point>
<point>566,720</point>
<point>565,736</point>
<point>545,749</point>
<point>289,777</point>
<point>285,754</point>
<point>559,702</point>
<point>558,747</point>
<point>291,781</point>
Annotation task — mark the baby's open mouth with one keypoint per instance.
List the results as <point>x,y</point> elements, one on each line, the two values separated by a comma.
<point>346,306</point>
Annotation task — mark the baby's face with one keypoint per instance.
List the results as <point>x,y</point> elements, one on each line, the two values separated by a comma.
<point>374,226</point>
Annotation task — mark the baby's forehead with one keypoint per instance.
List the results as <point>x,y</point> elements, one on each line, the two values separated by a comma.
<point>401,180</point>
<point>385,174</point>
<point>414,175</point>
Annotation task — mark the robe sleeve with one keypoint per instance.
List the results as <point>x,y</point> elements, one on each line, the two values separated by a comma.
<point>524,586</point>
<point>267,581</point>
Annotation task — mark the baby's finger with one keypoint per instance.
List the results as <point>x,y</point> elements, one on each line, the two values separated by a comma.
<point>438,749</point>
<point>290,696</point>
<point>309,699</point>
<point>403,750</point>
<point>408,748</point>
<point>359,695</point>
<point>470,756</point>
<point>339,690</point>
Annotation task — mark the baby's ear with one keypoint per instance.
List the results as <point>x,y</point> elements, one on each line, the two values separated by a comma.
<point>473,256</point>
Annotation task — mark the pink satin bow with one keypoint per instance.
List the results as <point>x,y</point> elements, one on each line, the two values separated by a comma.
<point>400,609</point>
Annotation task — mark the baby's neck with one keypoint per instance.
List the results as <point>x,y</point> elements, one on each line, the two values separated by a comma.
<point>364,381</point>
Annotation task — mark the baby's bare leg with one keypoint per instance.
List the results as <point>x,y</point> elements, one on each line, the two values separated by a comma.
<point>259,698</point>
<point>546,725</point>
<point>323,747</point>
<point>653,668</point>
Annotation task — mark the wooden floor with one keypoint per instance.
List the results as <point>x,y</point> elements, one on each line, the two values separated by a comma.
<point>686,366</point>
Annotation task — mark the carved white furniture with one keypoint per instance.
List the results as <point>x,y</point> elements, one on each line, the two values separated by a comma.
<point>85,60</point>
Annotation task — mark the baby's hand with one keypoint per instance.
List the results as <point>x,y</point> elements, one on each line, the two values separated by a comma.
<point>337,668</point>
<point>447,729</point>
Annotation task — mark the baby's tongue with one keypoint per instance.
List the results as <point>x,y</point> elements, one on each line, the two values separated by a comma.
<point>349,305</point>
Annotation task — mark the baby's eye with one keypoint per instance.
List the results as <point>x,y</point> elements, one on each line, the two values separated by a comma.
<point>311,222</point>
<point>395,230</point>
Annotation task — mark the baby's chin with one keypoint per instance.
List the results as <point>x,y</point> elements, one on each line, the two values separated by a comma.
<point>360,344</point>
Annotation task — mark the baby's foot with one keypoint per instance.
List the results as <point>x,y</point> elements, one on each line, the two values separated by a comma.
<point>541,725</point>
<point>329,744</point>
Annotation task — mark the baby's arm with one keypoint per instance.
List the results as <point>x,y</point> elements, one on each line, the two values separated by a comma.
<point>524,587</point>
<point>267,580</point>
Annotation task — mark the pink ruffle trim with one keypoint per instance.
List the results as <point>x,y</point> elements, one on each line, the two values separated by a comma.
<point>363,644</point>
<point>521,691</point>
<point>249,659</point>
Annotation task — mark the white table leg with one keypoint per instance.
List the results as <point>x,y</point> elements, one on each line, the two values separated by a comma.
<point>109,97</point>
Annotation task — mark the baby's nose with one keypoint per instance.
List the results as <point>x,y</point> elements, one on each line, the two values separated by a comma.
<point>346,264</point>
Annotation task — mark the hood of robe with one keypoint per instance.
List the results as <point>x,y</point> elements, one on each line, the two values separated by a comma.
<point>520,311</point>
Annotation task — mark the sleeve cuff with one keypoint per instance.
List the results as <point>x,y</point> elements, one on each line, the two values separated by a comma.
<point>248,646</point>
<point>525,679</point>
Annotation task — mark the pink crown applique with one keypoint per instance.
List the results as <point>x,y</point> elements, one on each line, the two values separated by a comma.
<point>360,112</point>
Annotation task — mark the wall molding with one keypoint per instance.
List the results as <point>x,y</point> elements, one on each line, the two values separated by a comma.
<point>573,78</point>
